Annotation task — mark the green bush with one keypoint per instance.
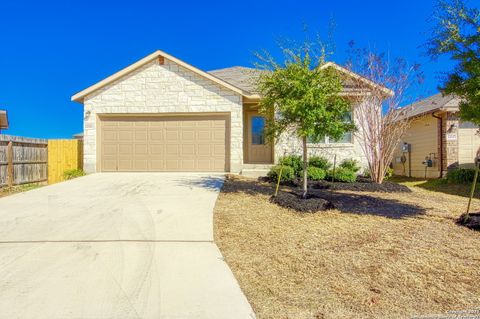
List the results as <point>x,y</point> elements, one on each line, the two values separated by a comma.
<point>319,162</point>
<point>315,173</point>
<point>288,174</point>
<point>461,176</point>
<point>73,173</point>
<point>343,175</point>
<point>389,173</point>
<point>350,164</point>
<point>294,161</point>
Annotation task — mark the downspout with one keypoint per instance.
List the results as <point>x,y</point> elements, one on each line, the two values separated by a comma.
<point>440,121</point>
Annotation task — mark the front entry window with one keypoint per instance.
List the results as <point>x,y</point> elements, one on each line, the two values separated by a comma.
<point>258,130</point>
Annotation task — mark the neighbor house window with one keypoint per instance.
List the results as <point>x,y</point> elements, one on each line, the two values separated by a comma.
<point>346,138</point>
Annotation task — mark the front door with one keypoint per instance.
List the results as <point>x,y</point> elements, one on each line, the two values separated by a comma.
<point>258,150</point>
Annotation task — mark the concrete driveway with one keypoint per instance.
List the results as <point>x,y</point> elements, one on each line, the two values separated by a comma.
<point>120,245</point>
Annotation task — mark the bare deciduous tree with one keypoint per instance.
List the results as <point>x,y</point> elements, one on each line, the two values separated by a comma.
<point>380,121</point>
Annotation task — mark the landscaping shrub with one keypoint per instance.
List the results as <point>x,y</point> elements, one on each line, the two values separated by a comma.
<point>73,173</point>
<point>343,175</point>
<point>315,173</point>
<point>389,173</point>
<point>350,164</point>
<point>294,161</point>
<point>288,174</point>
<point>461,175</point>
<point>319,162</point>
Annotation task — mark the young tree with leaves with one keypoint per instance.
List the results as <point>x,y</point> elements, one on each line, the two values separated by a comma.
<point>456,33</point>
<point>302,96</point>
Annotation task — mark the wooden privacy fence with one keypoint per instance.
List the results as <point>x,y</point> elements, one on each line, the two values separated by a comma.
<point>22,160</point>
<point>63,155</point>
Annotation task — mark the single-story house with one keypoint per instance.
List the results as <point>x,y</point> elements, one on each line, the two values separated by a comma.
<point>437,140</point>
<point>3,120</point>
<point>162,114</point>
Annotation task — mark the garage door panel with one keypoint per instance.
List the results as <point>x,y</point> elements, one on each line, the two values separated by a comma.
<point>125,164</point>
<point>157,149</point>
<point>218,150</point>
<point>109,135</point>
<point>172,150</point>
<point>172,135</point>
<point>204,150</point>
<point>125,149</point>
<point>140,165</point>
<point>157,165</point>
<point>125,135</point>
<point>196,143</point>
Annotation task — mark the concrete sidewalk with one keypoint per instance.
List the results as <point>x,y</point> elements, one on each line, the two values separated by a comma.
<point>116,246</point>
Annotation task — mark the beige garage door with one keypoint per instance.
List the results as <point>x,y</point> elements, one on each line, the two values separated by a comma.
<point>189,144</point>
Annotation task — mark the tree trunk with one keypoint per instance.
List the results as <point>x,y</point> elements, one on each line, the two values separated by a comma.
<point>305,166</point>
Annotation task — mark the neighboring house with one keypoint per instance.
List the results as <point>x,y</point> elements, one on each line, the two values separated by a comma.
<point>3,120</point>
<point>162,114</point>
<point>437,134</point>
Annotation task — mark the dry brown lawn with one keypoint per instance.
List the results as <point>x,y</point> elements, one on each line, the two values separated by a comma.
<point>402,256</point>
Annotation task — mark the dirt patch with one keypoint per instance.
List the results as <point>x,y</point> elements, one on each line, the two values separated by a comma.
<point>471,221</point>
<point>313,203</point>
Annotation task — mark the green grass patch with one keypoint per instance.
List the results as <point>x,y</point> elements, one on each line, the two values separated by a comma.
<point>437,185</point>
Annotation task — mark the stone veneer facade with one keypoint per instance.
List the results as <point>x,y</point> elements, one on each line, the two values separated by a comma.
<point>158,88</point>
<point>163,88</point>
<point>289,144</point>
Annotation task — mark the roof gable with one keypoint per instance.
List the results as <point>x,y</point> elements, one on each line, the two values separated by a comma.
<point>79,97</point>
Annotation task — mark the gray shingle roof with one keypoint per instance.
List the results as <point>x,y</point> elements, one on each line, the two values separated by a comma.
<point>433,103</point>
<point>242,77</point>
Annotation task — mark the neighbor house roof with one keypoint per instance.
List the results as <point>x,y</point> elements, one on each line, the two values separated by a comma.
<point>434,103</point>
<point>3,119</point>
<point>239,79</point>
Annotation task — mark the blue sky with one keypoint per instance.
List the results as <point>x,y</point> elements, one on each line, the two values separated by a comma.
<point>53,49</point>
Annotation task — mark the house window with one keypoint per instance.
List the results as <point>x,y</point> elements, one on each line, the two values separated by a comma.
<point>345,139</point>
<point>258,130</point>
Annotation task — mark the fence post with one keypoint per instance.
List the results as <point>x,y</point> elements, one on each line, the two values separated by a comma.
<point>10,164</point>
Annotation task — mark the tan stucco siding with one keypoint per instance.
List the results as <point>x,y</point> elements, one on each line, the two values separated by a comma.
<point>168,89</point>
<point>468,144</point>
<point>423,136</point>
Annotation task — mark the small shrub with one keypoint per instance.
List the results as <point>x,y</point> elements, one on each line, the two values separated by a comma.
<point>315,173</point>
<point>294,161</point>
<point>461,176</point>
<point>73,173</point>
<point>389,173</point>
<point>366,173</point>
<point>288,174</point>
<point>343,175</point>
<point>319,162</point>
<point>350,164</point>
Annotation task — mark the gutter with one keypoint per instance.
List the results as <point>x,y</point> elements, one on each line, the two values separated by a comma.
<point>440,120</point>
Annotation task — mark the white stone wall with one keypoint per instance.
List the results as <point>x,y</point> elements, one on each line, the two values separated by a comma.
<point>167,88</point>
<point>289,144</point>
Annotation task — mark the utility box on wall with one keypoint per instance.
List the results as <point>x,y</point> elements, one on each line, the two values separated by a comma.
<point>406,148</point>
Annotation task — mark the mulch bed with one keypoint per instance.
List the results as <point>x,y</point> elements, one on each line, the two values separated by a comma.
<point>362,185</point>
<point>313,203</point>
<point>471,221</point>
